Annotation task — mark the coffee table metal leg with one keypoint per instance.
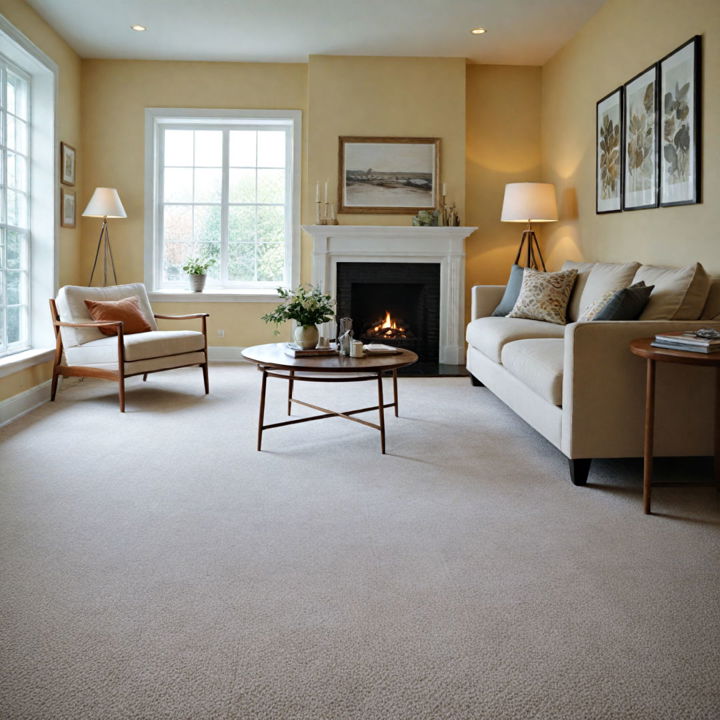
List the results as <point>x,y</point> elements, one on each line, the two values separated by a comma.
<point>395,393</point>
<point>649,432</point>
<point>291,382</point>
<point>381,412</point>
<point>261,417</point>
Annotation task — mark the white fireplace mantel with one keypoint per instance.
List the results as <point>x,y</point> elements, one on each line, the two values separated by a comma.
<point>333,244</point>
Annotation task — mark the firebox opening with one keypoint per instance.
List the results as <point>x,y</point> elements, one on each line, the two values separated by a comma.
<point>387,312</point>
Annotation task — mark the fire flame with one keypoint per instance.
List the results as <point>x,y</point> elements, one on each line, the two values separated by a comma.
<point>387,328</point>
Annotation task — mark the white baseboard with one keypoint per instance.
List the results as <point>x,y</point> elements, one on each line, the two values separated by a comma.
<point>219,353</point>
<point>24,402</point>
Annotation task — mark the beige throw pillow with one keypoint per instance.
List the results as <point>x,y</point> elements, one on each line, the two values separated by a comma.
<point>679,294</point>
<point>544,295</point>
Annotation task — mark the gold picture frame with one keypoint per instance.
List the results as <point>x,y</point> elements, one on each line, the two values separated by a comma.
<point>68,208</point>
<point>67,164</point>
<point>388,175</point>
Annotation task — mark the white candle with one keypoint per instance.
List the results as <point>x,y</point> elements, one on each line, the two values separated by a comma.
<point>326,191</point>
<point>317,192</point>
<point>444,188</point>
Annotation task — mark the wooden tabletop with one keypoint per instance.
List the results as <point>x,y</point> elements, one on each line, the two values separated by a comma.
<point>643,348</point>
<point>273,355</point>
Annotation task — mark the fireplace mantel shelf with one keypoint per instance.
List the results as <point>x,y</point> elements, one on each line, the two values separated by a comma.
<point>333,244</point>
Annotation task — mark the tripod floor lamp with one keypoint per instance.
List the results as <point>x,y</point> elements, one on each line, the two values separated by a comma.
<point>529,203</point>
<point>105,203</point>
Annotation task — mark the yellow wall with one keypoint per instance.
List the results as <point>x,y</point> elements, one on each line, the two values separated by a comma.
<point>622,39</point>
<point>26,20</point>
<point>503,145</point>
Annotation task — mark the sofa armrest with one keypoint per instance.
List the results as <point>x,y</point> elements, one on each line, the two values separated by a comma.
<point>484,299</point>
<point>604,393</point>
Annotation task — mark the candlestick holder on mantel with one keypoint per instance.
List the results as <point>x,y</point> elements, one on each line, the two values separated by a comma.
<point>325,213</point>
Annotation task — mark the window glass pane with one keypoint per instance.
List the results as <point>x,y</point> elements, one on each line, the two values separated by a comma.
<point>242,186</point>
<point>15,255</point>
<point>16,134</point>
<point>16,209</point>
<point>178,185</point>
<point>14,324</point>
<point>208,185</point>
<point>179,147</point>
<point>241,265</point>
<point>242,224</point>
<point>271,186</point>
<point>271,148</point>
<point>177,223</point>
<point>175,255</point>
<point>206,224</point>
<point>15,287</point>
<point>17,95</point>
<point>208,148</point>
<point>242,148</point>
<point>16,171</point>
<point>270,261</point>
<point>270,224</point>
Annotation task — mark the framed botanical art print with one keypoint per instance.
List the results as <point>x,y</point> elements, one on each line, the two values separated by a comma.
<point>388,175</point>
<point>67,164</point>
<point>608,153</point>
<point>67,208</point>
<point>680,125</point>
<point>641,174</point>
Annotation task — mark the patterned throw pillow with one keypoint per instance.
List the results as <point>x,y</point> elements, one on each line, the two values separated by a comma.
<point>544,295</point>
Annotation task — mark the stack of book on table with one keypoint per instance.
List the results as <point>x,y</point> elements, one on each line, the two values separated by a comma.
<point>296,351</point>
<point>701,341</point>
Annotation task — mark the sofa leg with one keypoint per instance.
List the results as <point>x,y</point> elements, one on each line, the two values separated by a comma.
<point>579,470</point>
<point>475,381</point>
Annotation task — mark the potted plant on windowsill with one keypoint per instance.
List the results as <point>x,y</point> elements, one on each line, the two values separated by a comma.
<point>196,269</point>
<point>308,307</point>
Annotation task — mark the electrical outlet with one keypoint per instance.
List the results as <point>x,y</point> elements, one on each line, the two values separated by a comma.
<point>221,333</point>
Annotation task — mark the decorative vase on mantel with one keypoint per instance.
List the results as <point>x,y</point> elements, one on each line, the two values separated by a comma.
<point>306,336</point>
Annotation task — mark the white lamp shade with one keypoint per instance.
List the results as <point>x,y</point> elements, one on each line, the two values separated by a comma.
<point>105,202</point>
<point>529,202</point>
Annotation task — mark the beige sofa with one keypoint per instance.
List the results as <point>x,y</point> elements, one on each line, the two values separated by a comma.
<point>579,385</point>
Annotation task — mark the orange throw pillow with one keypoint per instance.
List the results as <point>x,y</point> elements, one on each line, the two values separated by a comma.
<point>127,310</point>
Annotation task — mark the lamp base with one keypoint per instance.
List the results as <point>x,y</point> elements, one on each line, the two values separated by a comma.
<point>104,242</point>
<point>533,248</point>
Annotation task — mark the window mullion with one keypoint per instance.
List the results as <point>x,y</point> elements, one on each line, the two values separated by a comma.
<point>225,209</point>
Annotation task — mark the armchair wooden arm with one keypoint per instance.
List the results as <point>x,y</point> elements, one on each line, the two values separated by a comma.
<point>95,323</point>
<point>181,317</point>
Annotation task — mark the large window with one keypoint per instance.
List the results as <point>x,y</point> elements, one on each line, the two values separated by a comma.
<point>14,208</point>
<point>224,188</point>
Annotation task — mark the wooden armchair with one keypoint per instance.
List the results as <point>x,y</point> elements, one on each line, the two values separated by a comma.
<point>86,352</point>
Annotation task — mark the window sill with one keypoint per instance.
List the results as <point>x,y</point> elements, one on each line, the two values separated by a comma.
<point>16,362</point>
<point>214,296</point>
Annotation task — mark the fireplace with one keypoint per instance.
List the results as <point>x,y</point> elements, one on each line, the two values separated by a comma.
<point>392,303</point>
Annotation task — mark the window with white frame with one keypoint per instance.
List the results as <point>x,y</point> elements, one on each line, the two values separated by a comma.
<point>225,188</point>
<point>14,208</point>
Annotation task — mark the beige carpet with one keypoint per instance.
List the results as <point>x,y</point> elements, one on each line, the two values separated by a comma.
<point>154,565</point>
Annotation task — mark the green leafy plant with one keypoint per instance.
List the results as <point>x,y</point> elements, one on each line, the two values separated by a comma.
<point>305,305</point>
<point>198,265</point>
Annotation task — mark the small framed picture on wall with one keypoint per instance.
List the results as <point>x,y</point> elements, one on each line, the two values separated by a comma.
<point>680,125</point>
<point>67,164</point>
<point>608,153</point>
<point>67,208</point>
<point>641,175</point>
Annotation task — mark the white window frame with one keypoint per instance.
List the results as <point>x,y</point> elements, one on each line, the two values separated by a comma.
<point>43,204</point>
<point>158,119</point>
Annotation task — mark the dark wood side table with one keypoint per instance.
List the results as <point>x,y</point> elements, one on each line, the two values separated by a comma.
<point>644,349</point>
<point>272,361</point>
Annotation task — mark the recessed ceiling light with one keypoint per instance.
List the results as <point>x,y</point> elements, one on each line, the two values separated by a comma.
<point>141,28</point>
<point>478,31</point>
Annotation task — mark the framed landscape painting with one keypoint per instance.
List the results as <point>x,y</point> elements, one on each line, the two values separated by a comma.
<point>680,122</point>
<point>608,153</point>
<point>388,175</point>
<point>67,208</point>
<point>641,175</point>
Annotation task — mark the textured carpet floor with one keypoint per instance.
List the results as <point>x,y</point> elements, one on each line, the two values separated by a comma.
<point>154,565</point>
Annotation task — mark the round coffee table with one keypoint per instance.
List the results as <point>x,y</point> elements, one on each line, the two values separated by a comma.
<point>273,361</point>
<point>642,347</point>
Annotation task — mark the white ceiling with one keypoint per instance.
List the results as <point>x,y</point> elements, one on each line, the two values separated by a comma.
<point>519,32</point>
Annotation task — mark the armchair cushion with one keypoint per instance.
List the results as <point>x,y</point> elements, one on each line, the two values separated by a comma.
<point>127,310</point>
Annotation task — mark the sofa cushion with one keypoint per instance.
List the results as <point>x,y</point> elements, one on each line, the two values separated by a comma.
<point>512,290</point>
<point>583,273</point>
<point>601,279</point>
<point>679,294</point>
<point>711,311</point>
<point>544,295</point>
<point>626,304</point>
<point>538,363</point>
<point>490,334</point>
<point>142,346</point>
<point>127,310</point>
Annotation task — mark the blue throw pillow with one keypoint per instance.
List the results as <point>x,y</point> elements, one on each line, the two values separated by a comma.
<point>626,304</point>
<point>512,290</point>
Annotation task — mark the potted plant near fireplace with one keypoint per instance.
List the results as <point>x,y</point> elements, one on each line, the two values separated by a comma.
<point>308,307</point>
